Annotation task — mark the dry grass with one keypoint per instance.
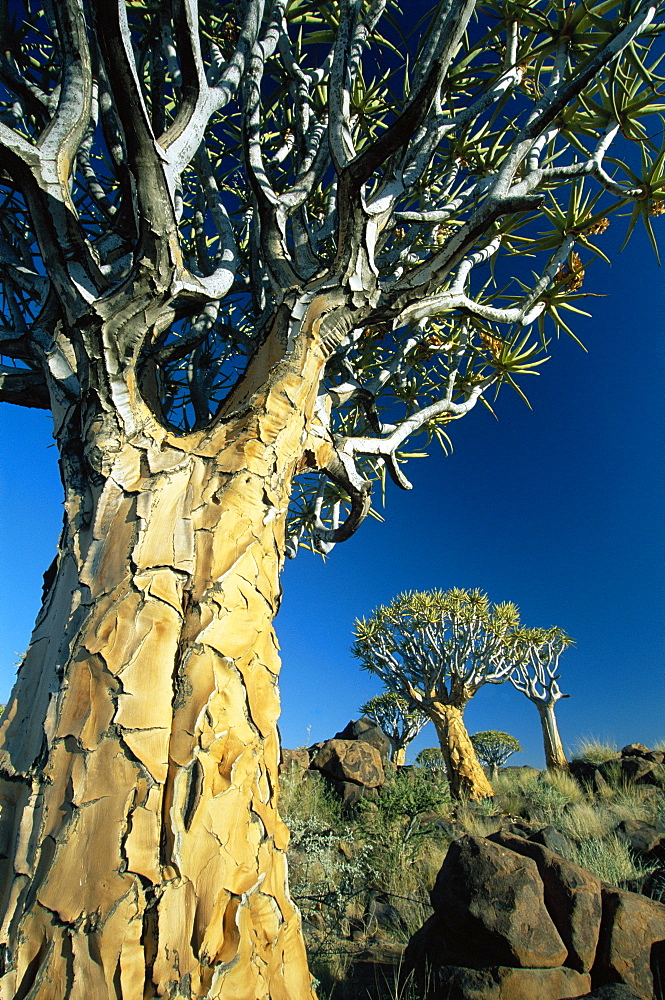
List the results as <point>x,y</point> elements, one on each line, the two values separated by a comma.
<point>596,750</point>
<point>610,859</point>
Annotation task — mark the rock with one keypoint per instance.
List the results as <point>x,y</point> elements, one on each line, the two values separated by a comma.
<point>572,898</point>
<point>636,768</point>
<point>634,750</point>
<point>351,794</point>
<point>641,836</point>
<point>657,756</point>
<point>350,761</point>
<point>631,945</point>
<point>550,838</point>
<point>490,901</point>
<point>504,983</point>
<point>367,731</point>
<point>381,913</point>
<point>613,991</point>
<point>293,758</point>
<point>590,774</point>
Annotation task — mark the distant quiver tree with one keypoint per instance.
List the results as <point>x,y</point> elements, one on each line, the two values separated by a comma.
<point>399,719</point>
<point>494,748</point>
<point>538,652</point>
<point>431,758</point>
<point>437,648</point>
<point>247,250</point>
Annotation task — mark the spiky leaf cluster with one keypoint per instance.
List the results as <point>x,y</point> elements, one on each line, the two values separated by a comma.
<point>206,168</point>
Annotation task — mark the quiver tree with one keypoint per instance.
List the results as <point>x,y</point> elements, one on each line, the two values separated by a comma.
<point>494,748</point>
<point>538,652</point>
<point>399,719</point>
<point>436,649</point>
<point>431,758</point>
<point>240,269</point>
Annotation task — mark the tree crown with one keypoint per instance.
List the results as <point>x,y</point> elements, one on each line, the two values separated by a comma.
<point>494,747</point>
<point>181,180</point>
<point>438,645</point>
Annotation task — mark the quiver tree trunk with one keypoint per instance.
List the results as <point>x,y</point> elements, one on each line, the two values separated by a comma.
<point>399,756</point>
<point>142,849</point>
<point>555,756</point>
<point>465,775</point>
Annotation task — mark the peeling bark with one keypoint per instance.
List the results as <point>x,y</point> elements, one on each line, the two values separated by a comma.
<point>141,843</point>
<point>465,774</point>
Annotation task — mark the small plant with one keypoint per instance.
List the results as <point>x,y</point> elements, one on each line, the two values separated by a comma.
<point>494,748</point>
<point>596,751</point>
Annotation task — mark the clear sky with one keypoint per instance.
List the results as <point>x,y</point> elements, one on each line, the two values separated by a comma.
<point>559,509</point>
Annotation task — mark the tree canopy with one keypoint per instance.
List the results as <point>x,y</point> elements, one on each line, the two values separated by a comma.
<point>198,171</point>
<point>495,747</point>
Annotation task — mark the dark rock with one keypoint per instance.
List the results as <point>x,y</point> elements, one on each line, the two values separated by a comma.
<point>550,838</point>
<point>350,761</point>
<point>490,901</point>
<point>636,768</point>
<point>381,913</point>
<point>590,774</point>
<point>367,731</point>
<point>634,750</point>
<point>351,794</point>
<point>657,756</point>
<point>293,758</point>
<point>631,945</point>
<point>641,836</point>
<point>572,898</point>
<point>506,983</point>
<point>613,991</point>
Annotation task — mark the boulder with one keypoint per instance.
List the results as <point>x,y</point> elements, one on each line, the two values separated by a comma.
<point>367,731</point>
<point>350,761</point>
<point>293,758</point>
<point>636,768</point>
<point>490,901</point>
<point>657,756</point>
<point>351,793</point>
<point>640,836</point>
<point>631,945</point>
<point>590,774</point>
<point>506,983</point>
<point>613,991</point>
<point>551,838</point>
<point>634,750</point>
<point>572,898</point>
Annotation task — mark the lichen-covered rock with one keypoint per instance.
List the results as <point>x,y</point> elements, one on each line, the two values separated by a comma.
<point>491,900</point>
<point>350,760</point>
<point>506,983</point>
<point>367,731</point>
<point>631,945</point>
<point>572,898</point>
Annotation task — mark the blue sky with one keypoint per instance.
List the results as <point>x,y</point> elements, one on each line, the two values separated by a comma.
<point>559,509</point>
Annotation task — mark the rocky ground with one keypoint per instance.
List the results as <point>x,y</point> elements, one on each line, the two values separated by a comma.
<point>551,890</point>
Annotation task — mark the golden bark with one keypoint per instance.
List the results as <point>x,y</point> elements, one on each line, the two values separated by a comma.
<point>141,848</point>
<point>399,757</point>
<point>465,774</point>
